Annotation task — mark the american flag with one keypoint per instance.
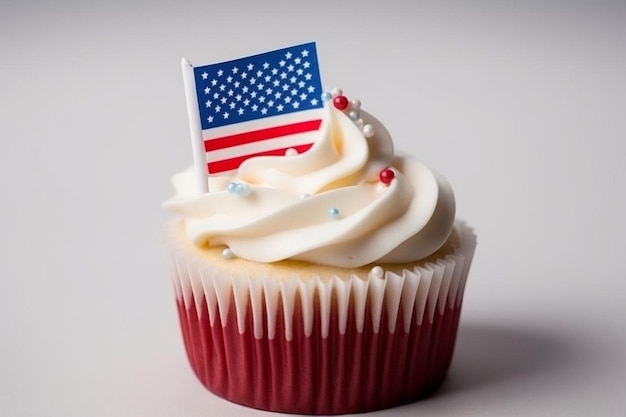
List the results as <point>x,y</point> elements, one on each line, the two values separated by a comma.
<point>259,105</point>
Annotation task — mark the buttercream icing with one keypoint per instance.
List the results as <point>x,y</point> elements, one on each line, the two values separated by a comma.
<point>329,205</point>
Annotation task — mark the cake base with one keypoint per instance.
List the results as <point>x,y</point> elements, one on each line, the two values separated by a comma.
<point>283,338</point>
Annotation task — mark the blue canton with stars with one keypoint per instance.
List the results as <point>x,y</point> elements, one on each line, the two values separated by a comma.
<point>269,84</point>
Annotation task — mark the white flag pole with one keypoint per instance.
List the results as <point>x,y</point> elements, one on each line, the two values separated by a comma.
<point>195,126</point>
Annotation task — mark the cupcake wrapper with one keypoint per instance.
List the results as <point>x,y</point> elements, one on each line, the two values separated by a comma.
<point>320,346</point>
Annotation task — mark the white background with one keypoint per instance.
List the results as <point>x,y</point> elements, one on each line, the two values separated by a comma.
<point>521,105</point>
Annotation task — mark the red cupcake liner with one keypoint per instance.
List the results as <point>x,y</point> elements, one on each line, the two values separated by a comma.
<point>321,347</point>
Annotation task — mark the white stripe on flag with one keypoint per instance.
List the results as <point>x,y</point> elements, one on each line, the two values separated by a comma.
<point>262,146</point>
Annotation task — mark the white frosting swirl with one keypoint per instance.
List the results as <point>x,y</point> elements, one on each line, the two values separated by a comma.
<point>371,223</point>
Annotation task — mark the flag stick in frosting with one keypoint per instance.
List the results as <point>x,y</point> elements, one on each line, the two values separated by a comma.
<point>195,127</point>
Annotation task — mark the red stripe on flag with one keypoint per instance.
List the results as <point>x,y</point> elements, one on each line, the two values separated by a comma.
<point>259,135</point>
<point>233,163</point>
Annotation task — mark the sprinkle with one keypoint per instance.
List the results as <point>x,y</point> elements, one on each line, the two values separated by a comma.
<point>336,92</point>
<point>368,131</point>
<point>242,189</point>
<point>377,272</point>
<point>326,96</point>
<point>356,104</point>
<point>359,122</point>
<point>232,187</point>
<point>340,102</point>
<point>227,253</point>
<point>304,195</point>
<point>386,176</point>
<point>291,152</point>
<point>354,114</point>
<point>333,212</point>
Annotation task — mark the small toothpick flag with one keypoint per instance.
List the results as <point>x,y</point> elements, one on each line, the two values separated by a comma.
<point>264,104</point>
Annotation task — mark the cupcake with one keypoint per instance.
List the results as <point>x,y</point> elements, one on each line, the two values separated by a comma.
<point>326,280</point>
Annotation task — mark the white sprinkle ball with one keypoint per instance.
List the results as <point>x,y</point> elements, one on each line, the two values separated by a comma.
<point>359,122</point>
<point>336,92</point>
<point>291,152</point>
<point>227,253</point>
<point>368,131</point>
<point>377,272</point>
<point>356,104</point>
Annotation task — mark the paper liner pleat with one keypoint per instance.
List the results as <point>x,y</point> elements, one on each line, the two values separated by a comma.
<point>315,346</point>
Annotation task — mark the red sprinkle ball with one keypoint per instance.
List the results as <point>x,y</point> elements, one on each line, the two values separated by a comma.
<point>341,102</point>
<point>386,176</point>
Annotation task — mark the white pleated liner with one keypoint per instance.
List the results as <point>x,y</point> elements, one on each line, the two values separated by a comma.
<point>434,285</point>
